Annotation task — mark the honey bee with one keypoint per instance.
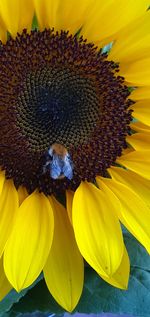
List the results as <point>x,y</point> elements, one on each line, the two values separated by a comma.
<point>59,162</point>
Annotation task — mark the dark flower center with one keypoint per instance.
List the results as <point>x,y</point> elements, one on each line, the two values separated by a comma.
<point>59,105</point>
<point>56,89</point>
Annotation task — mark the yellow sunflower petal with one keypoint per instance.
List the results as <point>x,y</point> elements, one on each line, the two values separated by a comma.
<point>121,276</point>
<point>2,179</point>
<point>97,229</point>
<point>138,162</point>
<point>139,141</point>
<point>127,150</point>
<point>5,286</point>
<point>69,201</point>
<point>22,194</point>
<point>133,211</point>
<point>140,127</point>
<point>64,270</point>
<point>62,15</point>
<point>136,73</point>
<point>133,42</point>
<point>8,207</point>
<point>108,17</point>
<point>140,93</point>
<point>17,15</point>
<point>141,111</point>
<point>29,244</point>
<point>3,33</point>
<point>137,183</point>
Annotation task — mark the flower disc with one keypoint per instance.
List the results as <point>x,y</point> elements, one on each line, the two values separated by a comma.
<point>63,91</point>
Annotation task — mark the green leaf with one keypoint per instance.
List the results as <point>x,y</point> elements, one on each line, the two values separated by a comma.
<point>139,258</point>
<point>99,296</point>
<point>38,299</point>
<point>13,297</point>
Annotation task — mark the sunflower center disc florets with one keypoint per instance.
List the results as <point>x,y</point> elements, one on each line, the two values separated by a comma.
<point>57,89</point>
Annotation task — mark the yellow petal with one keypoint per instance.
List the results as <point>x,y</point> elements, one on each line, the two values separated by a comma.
<point>5,286</point>
<point>127,150</point>
<point>141,111</point>
<point>8,207</point>
<point>97,229</point>
<point>140,93</point>
<point>62,15</point>
<point>133,42</point>
<point>2,179</point>
<point>29,244</point>
<point>140,127</point>
<point>133,211</point>
<point>121,276</point>
<point>138,162</point>
<point>138,184</point>
<point>3,33</point>
<point>139,141</point>
<point>17,15</point>
<point>108,17</point>
<point>69,201</point>
<point>22,193</point>
<point>64,268</point>
<point>136,73</point>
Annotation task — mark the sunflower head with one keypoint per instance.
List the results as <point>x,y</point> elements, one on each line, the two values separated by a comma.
<point>63,91</point>
<point>74,113</point>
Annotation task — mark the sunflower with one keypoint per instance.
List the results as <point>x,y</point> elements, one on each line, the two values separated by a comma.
<point>74,141</point>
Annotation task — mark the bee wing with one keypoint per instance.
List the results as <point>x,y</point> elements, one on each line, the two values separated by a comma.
<point>55,168</point>
<point>68,168</point>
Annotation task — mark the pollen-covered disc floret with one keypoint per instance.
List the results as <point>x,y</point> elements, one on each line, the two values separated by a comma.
<point>57,88</point>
